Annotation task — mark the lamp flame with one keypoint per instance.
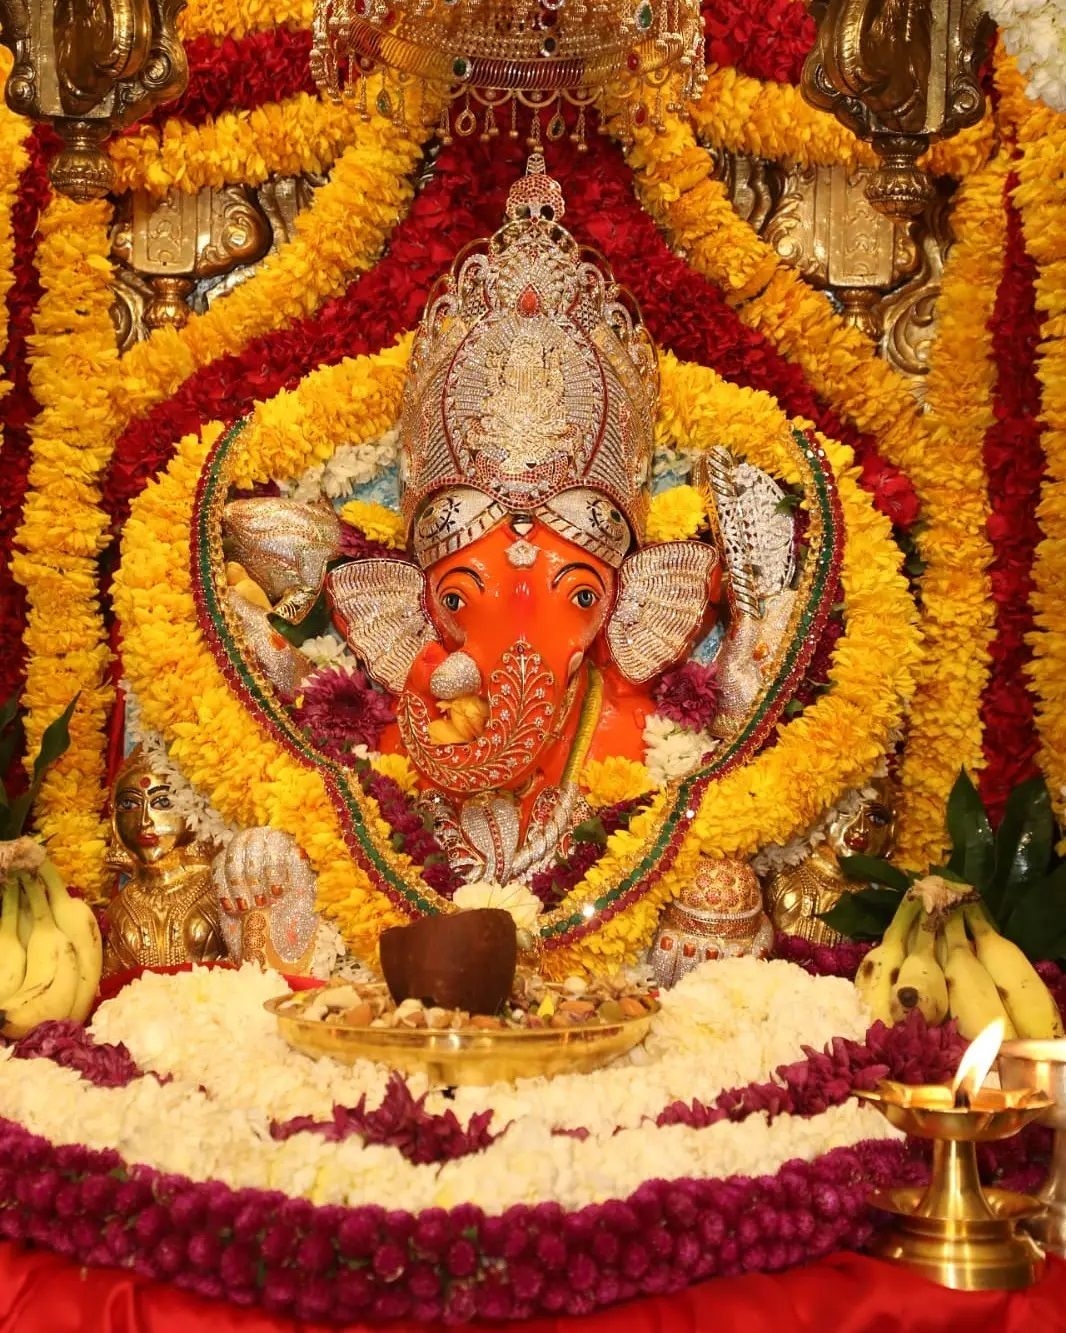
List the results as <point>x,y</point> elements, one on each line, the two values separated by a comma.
<point>977,1060</point>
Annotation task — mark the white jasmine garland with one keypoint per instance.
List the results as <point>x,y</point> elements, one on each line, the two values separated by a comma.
<point>727,1023</point>
<point>524,905</point>
<point>1034,32</point>
<point>670,751</point>
<point>328,650</point>
<point>351,466</point>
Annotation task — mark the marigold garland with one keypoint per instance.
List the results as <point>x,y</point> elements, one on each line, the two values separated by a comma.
<point>13,159</point>
<point>944,732</point>
<point>302,135</point>
<point>223,750</point>
<point>1039,197</point>
<point>19,410</point>
<point>674,180</point>
<point>64,530</point>
<point>775,121</point>
<point>234,18</point>
<point>341,234</point>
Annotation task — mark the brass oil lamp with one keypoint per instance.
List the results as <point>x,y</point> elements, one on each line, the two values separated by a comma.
<point>1042,1064</point>
<point>954,1230</point>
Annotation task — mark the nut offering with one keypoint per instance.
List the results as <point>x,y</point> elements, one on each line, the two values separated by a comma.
<point>544,1028</point>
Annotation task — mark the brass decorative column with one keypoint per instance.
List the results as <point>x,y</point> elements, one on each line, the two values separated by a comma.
<point>90,67</point>
<point>900,74</point>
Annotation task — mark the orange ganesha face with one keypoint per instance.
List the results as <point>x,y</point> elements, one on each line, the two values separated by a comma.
<point>516,611</point>
<point>503,588</point>
<point>491,648</point>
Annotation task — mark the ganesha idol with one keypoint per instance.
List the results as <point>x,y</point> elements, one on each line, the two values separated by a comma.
<point>522,635</point>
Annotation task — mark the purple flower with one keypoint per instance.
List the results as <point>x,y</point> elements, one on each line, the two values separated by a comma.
<point>689,695</point>
<point>341,709</point>
<point>67,1043</point>
<point>401,1122</point>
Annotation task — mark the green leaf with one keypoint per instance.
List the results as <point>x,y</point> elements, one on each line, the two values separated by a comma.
<point>1024,844</point>
<point>864,915</point>
<point>1036,921</point>
<point>8,712</point>
<point>873,870</point>
<point>972,848</point>
<point>54,744</point>
<point>592,830</point>
<point>13,817</point>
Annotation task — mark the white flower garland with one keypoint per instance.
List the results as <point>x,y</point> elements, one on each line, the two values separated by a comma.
<point>727,1024</point>
<point>1034,32</point>
<point>671,752</point>
<point>351,466</point>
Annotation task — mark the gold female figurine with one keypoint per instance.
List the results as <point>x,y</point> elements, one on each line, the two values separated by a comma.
<point>797,895</point>
<point>166,912</point>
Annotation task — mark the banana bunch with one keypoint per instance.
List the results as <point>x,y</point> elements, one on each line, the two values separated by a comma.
<point>953,963</point>
<point>51,953</point>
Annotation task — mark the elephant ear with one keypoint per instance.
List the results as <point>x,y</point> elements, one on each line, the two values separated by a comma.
<point>380,607</point>
<point>662,599</point>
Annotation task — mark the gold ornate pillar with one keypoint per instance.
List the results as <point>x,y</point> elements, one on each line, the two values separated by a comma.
<point>827,228</point>
<point>174,242</point>
<point>900,74</point>
<point>90,67</point>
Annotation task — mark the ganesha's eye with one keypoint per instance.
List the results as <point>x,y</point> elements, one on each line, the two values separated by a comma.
<point>452,601</point>
<point>585,597</point>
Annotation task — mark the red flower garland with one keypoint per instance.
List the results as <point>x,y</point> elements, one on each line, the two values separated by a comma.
<point>239,74</point>
<point>769,40</point>
<point>1014,462</point>
<point>462,202</point>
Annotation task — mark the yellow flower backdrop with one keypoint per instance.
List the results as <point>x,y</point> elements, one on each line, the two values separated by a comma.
<point>915,667</point>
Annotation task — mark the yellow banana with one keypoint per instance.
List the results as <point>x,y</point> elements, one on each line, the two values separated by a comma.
<point>921,983</point>
<point>76,919</point>
<point>25,921</point>
<point>1025,997</point>
<point>973,996</point>
<point>51,979</point>
<point>879,970</point>
<point>12,952</point>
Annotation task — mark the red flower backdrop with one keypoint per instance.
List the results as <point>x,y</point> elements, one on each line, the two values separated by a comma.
<point>387,1265</point>
<point>1014,461</point>
<point>687,314</point>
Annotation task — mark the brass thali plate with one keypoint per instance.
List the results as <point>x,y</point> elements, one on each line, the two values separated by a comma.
<point>463,1057</point>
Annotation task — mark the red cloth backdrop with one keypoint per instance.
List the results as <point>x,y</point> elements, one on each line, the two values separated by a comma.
<point>845,1293</point>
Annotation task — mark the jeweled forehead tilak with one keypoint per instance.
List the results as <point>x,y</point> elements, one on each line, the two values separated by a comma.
<point>533,388</point>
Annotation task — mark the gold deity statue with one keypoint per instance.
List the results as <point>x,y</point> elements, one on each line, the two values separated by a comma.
<point>797,895</point>
<point>166,912</point>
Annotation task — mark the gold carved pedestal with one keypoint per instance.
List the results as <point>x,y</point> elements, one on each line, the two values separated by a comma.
<point>174,242</point>
<point>900,74</point>
<point>90,67</point>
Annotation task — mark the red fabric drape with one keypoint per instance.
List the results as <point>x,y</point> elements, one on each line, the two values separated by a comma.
<point>846,1293</point>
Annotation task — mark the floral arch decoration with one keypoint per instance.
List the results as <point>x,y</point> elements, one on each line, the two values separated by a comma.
<point>229,734</point>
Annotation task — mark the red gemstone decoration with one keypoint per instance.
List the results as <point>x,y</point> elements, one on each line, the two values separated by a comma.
<point>640,114</point>
<point>633,62</point>
<point>529,302</point>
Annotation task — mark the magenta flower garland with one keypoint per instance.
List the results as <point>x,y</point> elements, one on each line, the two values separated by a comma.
<point>340,1264</point>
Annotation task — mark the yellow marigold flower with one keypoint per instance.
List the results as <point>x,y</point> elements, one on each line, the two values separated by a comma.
<point>375,521</point>
<point>608,781</point>
<point>675,514</point>
<point>397,767</point>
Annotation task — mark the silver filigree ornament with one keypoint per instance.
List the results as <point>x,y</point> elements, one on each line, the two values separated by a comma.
<point>522,554</point>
